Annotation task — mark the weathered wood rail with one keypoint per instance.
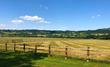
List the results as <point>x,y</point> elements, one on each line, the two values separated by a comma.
<point>65,50</point>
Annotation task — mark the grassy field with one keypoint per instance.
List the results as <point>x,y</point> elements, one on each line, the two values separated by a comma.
<point>100,49</point>
<point>18,59</point>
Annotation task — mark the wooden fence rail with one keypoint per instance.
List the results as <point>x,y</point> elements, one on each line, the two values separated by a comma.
<point>14,47</point>
<point>49,49</point>
<point>35,48</point>
<point>88,54</point>
<point>6,46</point>
<point>66,52</point>
<point>24,47</point>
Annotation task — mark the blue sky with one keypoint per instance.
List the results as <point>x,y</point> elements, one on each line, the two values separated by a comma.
<point>54,14</point>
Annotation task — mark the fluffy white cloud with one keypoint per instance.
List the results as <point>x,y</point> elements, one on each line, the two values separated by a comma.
<point>31,18</point>
<point>2,26</point>
<point>17,21</point>
<point>35,19</point>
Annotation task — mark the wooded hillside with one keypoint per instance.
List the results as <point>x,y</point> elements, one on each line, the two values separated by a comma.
<point>88,34</point>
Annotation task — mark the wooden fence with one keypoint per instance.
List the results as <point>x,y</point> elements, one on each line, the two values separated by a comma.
<point>66,50</point>
<point>36,48</point>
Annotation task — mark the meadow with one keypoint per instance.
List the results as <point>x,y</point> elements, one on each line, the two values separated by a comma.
<point>77,48</point>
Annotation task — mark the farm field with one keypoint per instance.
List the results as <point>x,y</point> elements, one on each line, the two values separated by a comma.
<point>99,49</point>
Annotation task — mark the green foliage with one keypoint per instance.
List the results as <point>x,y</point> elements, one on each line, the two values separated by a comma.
<point>90,34</point>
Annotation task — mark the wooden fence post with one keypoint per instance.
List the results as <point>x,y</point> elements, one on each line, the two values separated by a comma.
<point>49,50</point>
<point>5,46</point>
<point>14,47</point>
<point>24,46</point>
<point>66,53</point>
<point>35,48</point>
<point>88,54</point>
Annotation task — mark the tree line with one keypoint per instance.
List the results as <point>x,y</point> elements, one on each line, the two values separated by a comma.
<point>87,34</point>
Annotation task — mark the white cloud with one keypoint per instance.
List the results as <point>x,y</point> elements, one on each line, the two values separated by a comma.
<point>17,21</point>
<point>31,18</point>
<point>2,26</point>
<point>35,19</point>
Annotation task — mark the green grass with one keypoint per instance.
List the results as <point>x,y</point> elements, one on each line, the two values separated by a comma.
<point>60,62</point>
<point>18,59</point>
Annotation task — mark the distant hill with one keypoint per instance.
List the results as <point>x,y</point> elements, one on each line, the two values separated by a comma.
<point>88,34</point>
